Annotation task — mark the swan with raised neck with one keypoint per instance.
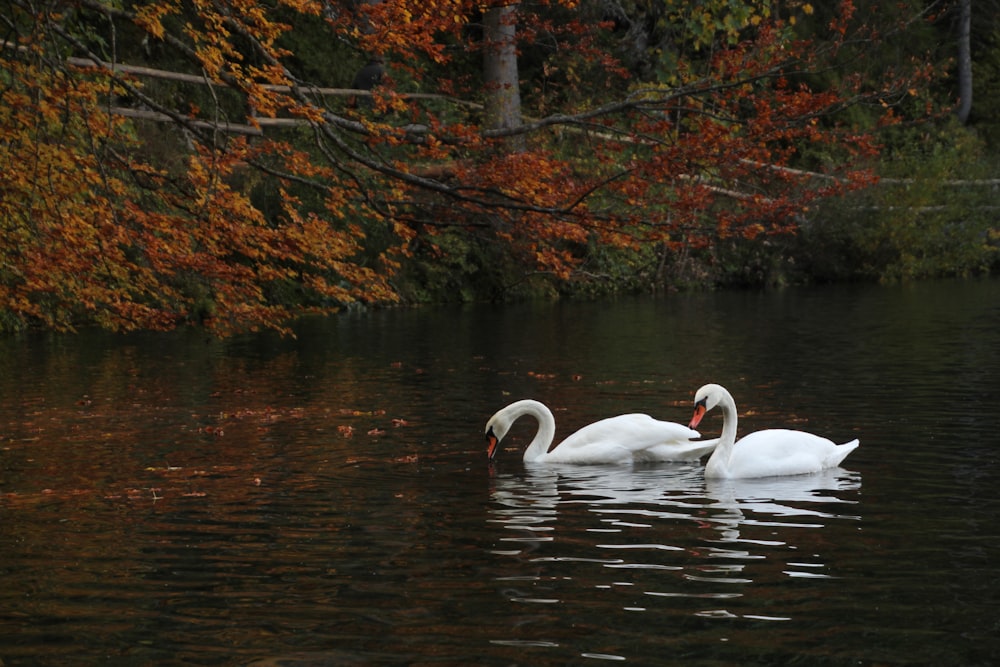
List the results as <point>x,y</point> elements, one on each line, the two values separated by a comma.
<point>767,453</point>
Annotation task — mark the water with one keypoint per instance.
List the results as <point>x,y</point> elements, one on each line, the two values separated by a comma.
<point>169,499</point>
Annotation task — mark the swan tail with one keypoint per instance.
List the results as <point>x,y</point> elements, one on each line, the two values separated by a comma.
<point>691,450</point>
<point>840,453</point>
<point>700,448</point>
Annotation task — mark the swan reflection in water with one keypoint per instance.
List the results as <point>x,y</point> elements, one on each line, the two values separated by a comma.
<point>755,517</point>
<point>616,513</point>
<point>564,525</point>
<point>531,503</point>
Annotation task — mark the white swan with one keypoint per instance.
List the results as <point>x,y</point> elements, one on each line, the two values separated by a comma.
<point>766,453</point>
<point>621,439</point>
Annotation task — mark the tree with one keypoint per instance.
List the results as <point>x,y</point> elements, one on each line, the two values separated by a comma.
<point>964,61</point>
<point>503,94</point>
<point>324,202</point>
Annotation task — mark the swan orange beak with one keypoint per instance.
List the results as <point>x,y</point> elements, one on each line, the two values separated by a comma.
<point>491,449</point>
<point>699,412</point>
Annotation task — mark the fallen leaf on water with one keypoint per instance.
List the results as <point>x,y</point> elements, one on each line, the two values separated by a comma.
<point>360,413</point>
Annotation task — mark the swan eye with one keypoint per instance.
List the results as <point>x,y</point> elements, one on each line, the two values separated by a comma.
<point>703,403</point>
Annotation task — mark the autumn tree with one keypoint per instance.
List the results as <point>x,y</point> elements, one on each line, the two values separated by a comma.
<point>277,187</point>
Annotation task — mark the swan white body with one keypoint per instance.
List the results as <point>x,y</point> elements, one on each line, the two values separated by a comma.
<point>767,453</point>
<point>621,439</point>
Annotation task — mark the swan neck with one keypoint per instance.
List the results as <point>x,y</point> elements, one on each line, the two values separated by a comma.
<point>545,434</point>
<point>718,463</point>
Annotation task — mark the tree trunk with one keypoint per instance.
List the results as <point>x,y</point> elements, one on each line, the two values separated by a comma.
<point>503,95</point>
<point>964,61</point>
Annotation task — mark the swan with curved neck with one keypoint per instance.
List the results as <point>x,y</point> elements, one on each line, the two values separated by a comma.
<point>767,453</point>
<point>621,439</point>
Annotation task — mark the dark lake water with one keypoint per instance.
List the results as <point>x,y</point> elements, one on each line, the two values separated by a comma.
<point>171,499</point>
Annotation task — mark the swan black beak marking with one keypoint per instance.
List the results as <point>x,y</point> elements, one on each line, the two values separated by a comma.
<point>699,412</point>
<point>491,450</point>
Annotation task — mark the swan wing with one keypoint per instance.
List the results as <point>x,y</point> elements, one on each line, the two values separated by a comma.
<point>625,438</point>
<point>774,452</point>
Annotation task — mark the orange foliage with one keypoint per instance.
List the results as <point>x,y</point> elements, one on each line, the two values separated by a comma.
<point>92,232</point>
<point>92,228</point>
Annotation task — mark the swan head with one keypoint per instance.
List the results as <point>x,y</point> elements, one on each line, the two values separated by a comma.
<point>496,429</point>
<point>500,423</point>
<point>705,399</point>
